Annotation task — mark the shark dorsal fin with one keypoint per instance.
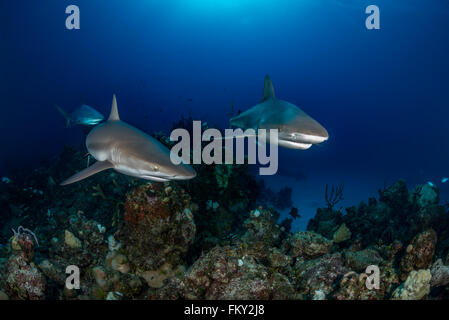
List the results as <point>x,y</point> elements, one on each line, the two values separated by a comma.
<point>268,89</point>
<point>113,116</point>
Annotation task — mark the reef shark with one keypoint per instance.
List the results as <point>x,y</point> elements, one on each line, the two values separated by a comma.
<point>83,115</point>
<point>296,129</point>
<point>124,148</point>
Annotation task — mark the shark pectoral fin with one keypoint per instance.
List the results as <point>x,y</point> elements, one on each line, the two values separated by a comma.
<point>93,169</point>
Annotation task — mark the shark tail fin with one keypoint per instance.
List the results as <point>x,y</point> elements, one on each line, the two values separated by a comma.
<point>83,174</point>
<point>268,89</point>
<point>64,114</point>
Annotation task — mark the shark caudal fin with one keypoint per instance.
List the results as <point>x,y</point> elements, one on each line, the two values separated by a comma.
<point>83,174</point>
<point>268,89</point>
<point>64,114</point>
<point>113,116</point>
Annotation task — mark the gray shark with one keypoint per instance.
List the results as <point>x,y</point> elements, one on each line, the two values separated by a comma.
<point>297,130</point>
<point>83,115</point>
<point>124,148</point>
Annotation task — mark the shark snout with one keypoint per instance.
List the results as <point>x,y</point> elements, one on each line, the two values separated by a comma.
<point>173,171</point>
<point>184,172</point>
<point>314,135</point>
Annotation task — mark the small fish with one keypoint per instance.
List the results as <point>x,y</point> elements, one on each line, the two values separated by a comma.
<point>83,115</point>
<point>444,180</point>
<point>430,184</point>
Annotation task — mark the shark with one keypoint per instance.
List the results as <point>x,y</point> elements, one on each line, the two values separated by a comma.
<point>296,129</point>
<point>117,145</point>
<point>83,115</point>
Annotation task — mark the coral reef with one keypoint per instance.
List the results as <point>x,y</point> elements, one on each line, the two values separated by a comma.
<point>306,244</point>
<point>215,237</point>
<point>23,278</point>
<point>158,226</point>
<point>359,260</point>
<point>318,274</point>
<point>230,273</point>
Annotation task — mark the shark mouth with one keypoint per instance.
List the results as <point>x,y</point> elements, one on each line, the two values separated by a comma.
<point>294,145</point>
<point>153,178</point>
<point>164,178</point>
<point>299,141</point>
<point>167,178</point>
<point>307,138</point>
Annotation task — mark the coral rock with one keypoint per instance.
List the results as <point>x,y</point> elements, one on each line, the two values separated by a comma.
<point>415,287</point>
<point>306,244</point>
<point>261,227</point>
<point>426,195</point>
<point>158,228</point>
<point>276,259</point>
<point>100,277</point>
<point>224,273</point>
<point>156,278</point>
<point>359,260</point>
<point>396,196</point>
<point>72,241</point>
<point>353,286</point>
<point>319,274</point>
<point>53,271</point>
<point>117,262</point>
<point>342,234</point>
<point>24,280</point>
<point>3,296</point>
<point>440,274</point>
<point>419,253</point>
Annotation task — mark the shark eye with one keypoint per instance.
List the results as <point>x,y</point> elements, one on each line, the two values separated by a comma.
<point>156,168</point>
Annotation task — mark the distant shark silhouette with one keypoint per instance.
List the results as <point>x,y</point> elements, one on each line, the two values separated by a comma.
<point>297,130</point>
<point>83,115</point>
<point>120,146</point>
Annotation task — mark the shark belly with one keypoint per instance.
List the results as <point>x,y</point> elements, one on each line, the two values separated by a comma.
<point>137,173</point>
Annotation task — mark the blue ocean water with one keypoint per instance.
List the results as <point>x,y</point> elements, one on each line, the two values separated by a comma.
<point>383,95</point>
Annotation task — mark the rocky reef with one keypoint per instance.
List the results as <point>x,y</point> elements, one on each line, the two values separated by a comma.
<point>216,237</point>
